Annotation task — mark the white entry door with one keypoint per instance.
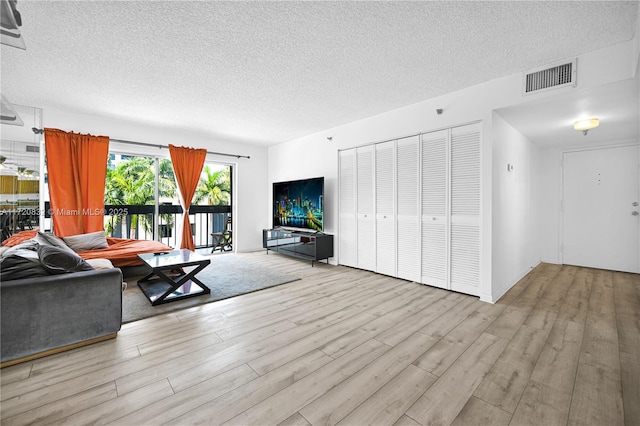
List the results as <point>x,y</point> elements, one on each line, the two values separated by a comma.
<point>600,228</point>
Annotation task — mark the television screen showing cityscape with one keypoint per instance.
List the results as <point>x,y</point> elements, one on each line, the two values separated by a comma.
<point>298,204</point>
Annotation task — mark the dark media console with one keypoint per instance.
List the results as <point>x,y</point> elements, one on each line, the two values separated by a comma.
<point>309,245</point>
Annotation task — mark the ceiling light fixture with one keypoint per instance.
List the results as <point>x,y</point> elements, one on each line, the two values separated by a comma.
<point>585,125</point>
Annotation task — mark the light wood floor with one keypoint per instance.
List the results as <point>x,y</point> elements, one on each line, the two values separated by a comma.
<point>344,346</point>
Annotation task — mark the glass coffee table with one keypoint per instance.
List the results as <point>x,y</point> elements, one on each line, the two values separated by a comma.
<point>168,280</point>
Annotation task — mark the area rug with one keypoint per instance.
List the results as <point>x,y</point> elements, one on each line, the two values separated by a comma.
<point>227,276</point>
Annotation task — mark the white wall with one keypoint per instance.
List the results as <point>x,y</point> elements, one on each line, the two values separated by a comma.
<point>636,44</point>
<point>314,158</point>
<point>250,180</point>
<point>548,210</point>
<point>515,245</point>
<point>314,155</point>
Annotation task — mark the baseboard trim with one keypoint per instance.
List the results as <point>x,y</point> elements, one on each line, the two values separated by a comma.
<point>58,350</point>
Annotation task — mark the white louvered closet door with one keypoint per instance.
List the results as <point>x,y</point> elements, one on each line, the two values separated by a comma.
<point>347,208</point>
<point>385,209</point>
<point>366,225</point>
<point>435,208</point>
<point>408,212</point>
<point>465,209</point>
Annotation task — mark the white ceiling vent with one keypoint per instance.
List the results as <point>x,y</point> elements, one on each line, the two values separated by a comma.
<point>546,78</point>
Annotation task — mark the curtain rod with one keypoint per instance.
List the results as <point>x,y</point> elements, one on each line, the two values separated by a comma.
<point>41,131</point>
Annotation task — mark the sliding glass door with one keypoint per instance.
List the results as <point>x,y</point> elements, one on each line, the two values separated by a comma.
<point>147,192</point>
<point>142,200</point>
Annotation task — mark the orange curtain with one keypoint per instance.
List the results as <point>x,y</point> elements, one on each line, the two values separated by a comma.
<point>187,166</point>
<point>77,169</point>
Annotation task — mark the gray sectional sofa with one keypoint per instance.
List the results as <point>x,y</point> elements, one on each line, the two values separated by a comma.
<point>43,315</point>
<point>54,301</point>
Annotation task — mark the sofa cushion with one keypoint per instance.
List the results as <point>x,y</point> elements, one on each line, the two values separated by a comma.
<point>90,241</point>
<point>60,261</point>
<point>21,261</point>
<point>47,238</point>
<point>15,267</point>
<point>26,248</point>
<point>100,263</point>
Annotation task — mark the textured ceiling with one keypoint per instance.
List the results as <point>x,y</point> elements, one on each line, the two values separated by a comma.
<point>268,72</point>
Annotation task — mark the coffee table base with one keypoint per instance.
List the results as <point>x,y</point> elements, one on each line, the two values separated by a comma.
<point>160,288</point>
<point>155,289</point>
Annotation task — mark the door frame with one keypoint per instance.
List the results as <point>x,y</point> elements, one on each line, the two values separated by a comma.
<point>561,189</point>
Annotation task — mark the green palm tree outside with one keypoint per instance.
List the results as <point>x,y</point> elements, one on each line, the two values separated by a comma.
<point>214,187</point>
<point>132,182</point>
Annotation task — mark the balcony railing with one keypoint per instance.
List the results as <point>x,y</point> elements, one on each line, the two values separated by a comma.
<point>138,222</point>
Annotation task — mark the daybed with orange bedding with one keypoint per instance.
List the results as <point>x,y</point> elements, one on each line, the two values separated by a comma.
<point>121,251</point>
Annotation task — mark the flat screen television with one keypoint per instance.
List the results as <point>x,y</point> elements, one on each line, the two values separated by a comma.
<point>299,204</point>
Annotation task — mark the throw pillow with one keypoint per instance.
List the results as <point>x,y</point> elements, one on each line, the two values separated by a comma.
<point>100,263</point>
<point>14,267</point>
<point>46,238</point>
<point>90,241</point>
<point>60,261</point>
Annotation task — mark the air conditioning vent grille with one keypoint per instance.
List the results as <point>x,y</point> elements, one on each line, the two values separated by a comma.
<point>33,148</point>
<point>557,76</point>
